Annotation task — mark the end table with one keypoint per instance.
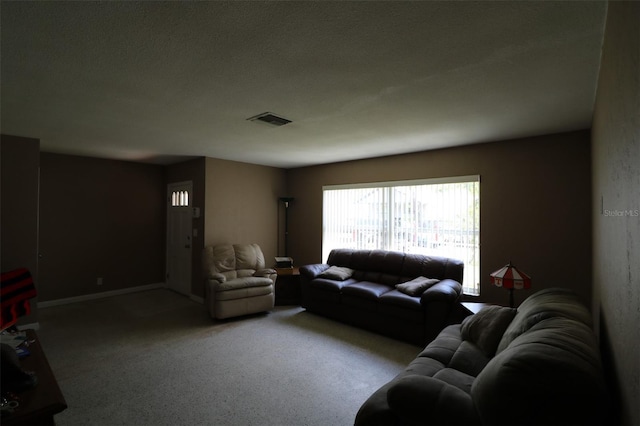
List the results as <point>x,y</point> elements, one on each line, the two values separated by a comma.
<point>288,286</point>
<point>474,307</point>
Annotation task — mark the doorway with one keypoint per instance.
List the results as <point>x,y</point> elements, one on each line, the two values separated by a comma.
<point>179,236</point>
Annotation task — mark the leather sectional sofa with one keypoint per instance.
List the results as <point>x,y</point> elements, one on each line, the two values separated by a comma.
<point>537,365</point>
<point>409,297</point>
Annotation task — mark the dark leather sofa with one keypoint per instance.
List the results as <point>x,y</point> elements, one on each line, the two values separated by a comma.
<point>366,295</point>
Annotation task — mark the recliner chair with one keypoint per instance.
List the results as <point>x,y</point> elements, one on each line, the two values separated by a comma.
<point>236,280</point>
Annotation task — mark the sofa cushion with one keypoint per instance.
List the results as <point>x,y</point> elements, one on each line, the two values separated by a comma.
<point>396,298</point>
<point>365,290</point>
<point>416,286</point>
<point>242,273</point>
<point>244,293</point>
<point>330,285</point>
<point>444,346</point>
<point>338,273</point>
<point>340,257</point>
<point>222,258</point>
<point>424,366</point>
<point>469,359</point>
<point>486,328</point>
<point>382,261</point>
<point>414,398</point>
<point>397,263</point>
<point>462,381</point>
<point>248,256</point>
<point>550,374</point>
<point>244,282</point>
<point>548,303</point>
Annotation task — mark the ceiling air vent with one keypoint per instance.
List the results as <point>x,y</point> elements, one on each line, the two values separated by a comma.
<point>270,118</point>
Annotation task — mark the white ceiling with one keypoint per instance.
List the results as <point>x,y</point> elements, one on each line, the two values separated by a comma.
<point>159,82</point>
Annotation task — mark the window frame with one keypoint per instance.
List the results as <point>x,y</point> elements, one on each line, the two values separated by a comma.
<point>472,289</point>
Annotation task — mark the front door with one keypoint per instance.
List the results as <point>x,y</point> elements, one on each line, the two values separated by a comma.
<point>179,236</point>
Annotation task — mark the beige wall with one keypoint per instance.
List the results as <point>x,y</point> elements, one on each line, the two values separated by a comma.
<point>242,204</point>
<point>99,218</point>
<point>105,218</point>
<point>616,190</point>
<point>20,159</point>
<point>534,206</point>
<point>238,202</point>
<point>194,171</point>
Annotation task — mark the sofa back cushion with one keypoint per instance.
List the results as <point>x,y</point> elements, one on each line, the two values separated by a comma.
<point>382,261</point>
<point>392,267</point>
<point>233,261</point>
<point>550,374</point>
<point>248,256</point>
<point>416,265</point>
<point>486,328</point>
<point>548,303</point>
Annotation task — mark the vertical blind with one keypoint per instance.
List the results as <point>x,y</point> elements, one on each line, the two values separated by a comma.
<point>438,217</point>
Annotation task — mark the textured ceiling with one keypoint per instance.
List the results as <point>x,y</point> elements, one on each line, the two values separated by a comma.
<point>164,81</point>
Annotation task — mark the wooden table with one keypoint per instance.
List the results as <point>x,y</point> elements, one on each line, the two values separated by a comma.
<point>474,307</point>
<point>39,403</point>
<point>288,286</point>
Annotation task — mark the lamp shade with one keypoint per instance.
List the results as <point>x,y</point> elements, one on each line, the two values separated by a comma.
<point>510,277</point>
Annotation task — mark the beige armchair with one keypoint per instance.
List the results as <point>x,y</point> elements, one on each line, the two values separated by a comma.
<point>236,280</point>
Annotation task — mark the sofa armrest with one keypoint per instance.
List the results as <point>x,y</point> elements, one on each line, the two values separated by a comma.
<point>438,302</point>
<point>264,272</point>
<point>312,271</point>
<point>425,400</point>
<point>267,273</point>
<point>307,274</point>
<point>446,290</point>
<point>216,278</point>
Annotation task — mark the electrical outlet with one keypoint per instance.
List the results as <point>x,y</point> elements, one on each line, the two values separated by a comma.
<point>99,281</point>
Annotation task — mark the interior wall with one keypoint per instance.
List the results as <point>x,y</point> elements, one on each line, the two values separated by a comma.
<point>194,171</point>
<point>99,218</point>
<point>534,205</point>
<point>20,160</point>
<point>242,204</point>
<point>616,206</point>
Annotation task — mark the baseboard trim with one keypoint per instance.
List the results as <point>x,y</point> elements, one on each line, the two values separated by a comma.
<point>197,299</point>
<point>104,294</point>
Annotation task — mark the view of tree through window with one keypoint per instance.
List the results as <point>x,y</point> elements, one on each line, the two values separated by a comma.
<point>439,217</point>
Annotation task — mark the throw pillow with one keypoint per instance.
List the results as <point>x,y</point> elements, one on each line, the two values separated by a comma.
<point>486,328</point>
<point>338,273</point>
<point>416,286</point>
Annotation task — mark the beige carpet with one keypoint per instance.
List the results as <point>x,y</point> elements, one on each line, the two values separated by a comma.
<point>156,358</point>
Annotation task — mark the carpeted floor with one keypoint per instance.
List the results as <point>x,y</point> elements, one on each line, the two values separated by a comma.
<point>156,358</point>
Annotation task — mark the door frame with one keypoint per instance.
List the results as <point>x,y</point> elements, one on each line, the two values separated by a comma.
<point>171,187</point>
